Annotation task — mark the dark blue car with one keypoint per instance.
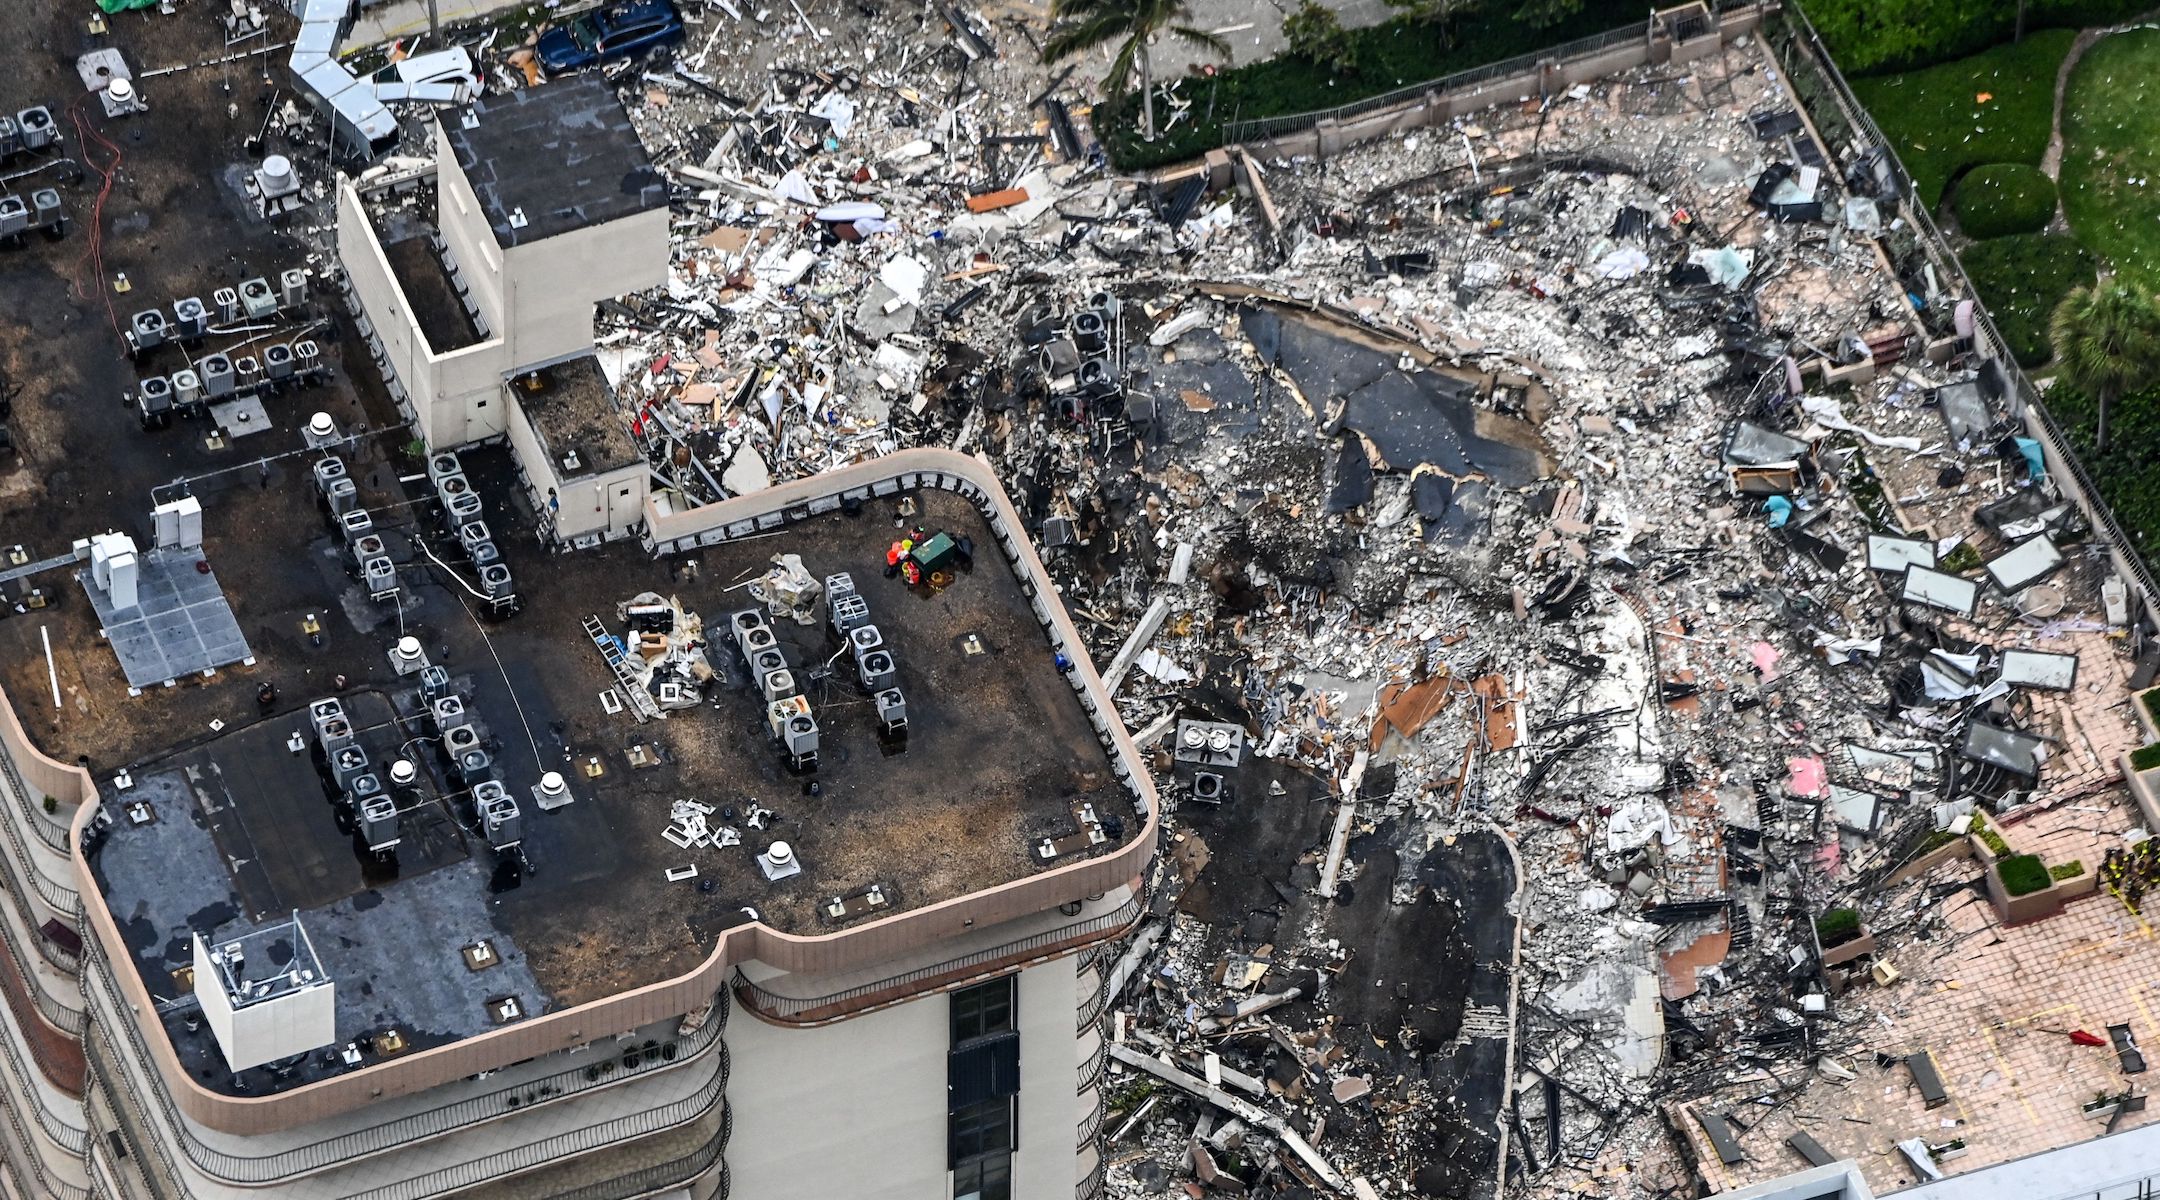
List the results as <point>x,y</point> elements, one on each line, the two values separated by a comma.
<point>609,33</point>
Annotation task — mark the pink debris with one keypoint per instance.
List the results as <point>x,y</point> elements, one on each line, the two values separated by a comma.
<point>1807,776</point>
<point>1765,656</point>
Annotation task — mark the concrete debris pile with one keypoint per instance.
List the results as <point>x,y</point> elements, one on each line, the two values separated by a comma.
<point>851,247</point>
<point>1590,500</point>
<point>1550,560</point>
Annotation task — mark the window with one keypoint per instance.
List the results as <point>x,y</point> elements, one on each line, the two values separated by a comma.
<point>982,1084</point>
<point>984,1179</point>
<point>982,1010</point>
<point>982,1129</point>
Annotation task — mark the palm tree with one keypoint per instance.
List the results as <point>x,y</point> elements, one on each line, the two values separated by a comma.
<point>2107,339</point>
<point>1081,25</point>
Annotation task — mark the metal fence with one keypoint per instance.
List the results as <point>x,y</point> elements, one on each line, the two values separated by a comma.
<point>1831,103</point>
<point>1261,129</point>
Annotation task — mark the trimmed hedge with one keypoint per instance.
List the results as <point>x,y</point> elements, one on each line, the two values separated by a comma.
<point>2023,874</point>
<point>1837,927</point>
<point>1939,126</point>
<point>2068,870</point>
<point>1873,36</point>
<point>2021,278</point>
<point>2145,758</point>
<point>1392,55</point>
<point>1999,199</point>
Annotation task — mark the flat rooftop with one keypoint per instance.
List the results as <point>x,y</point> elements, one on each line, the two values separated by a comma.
<point>241,831</point>
<point>549,160</point>
<point>407,242</point>
<point>572,407</point>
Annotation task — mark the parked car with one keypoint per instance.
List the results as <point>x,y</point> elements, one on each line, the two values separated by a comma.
<point>609,33</point>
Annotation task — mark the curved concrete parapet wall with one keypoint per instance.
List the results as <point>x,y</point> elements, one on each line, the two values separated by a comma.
<point>857,949</point>
<point>68,784</point>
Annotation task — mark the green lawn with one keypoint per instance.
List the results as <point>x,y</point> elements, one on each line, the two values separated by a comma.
<point>2111,153</point>
<point>1939,126</point>
<point>2021,278</point>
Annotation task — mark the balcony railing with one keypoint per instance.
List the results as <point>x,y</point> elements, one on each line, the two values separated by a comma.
<point>596,1136</point>
<point>73,1138</point>
<point>29,1167</point>
<point>819,1010</point>
<point>588,1075</point>
<point>40,824</point>
<point>1091,1124</point>
<point>1091,1187</point>
<point>153,1162</point>
<point>1091,1070</point>
<point>49,1007</point>
<point>661,1177</point>
<point>61,897</point>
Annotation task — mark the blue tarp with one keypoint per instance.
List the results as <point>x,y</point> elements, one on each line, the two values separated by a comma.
<point>2035,465</point>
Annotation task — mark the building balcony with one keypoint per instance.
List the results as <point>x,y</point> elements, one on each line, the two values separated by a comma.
<point>772,1001</point>
<point>398,1124</point>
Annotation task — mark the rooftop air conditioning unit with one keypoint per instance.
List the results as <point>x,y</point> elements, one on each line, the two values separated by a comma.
<point>190,318</point>
<point>147,328</point>
<point>878,670</point>
<point>258,300</point>
<point>778,685</point>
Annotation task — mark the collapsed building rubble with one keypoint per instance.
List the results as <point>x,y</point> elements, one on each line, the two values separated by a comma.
<point>1579,517</point>
<point>1550,560</point>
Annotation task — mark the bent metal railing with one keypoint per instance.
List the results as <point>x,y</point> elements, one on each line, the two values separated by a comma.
<point>587,1075</point>
<point>882,993</point>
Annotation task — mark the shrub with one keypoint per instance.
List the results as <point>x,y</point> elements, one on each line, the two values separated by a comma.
<point>2068,870</point>
<point>2145,758</point>
<point>1961,559</point>
<point>2151,700</point>
<point>2021,278</point>
<point>1838,926</point>
<point>2023,874</point>
<point>2004,198</point>
<point>1995,843</point>
<point>1316,35</point>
